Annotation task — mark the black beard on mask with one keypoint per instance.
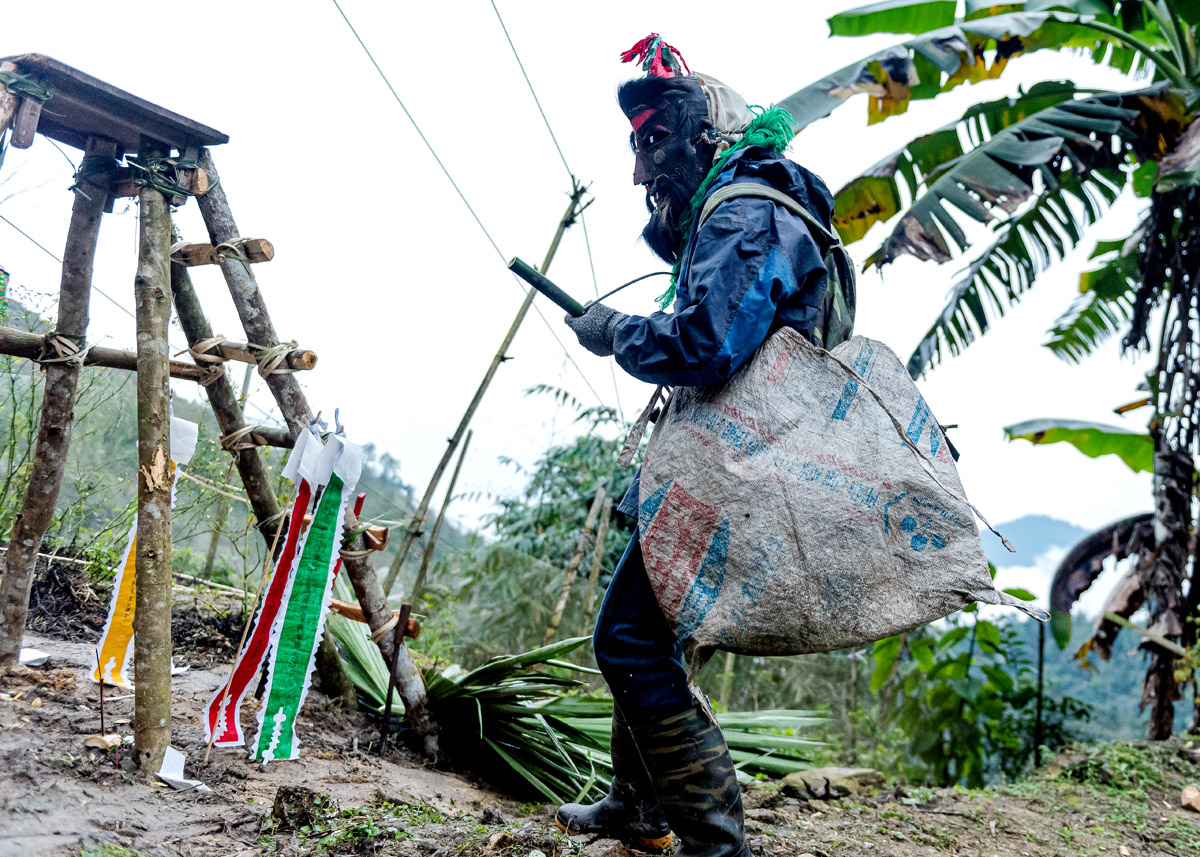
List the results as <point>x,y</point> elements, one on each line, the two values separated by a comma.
<point>679,163</point>
<point>670,197</point>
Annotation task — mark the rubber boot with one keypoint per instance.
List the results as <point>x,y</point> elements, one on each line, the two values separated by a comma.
<point>629,811</point>
<point>696,783</point>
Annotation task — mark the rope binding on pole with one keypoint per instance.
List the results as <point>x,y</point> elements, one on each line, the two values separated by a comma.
<point>25,86</point>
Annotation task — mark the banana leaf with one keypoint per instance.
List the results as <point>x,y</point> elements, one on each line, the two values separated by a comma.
<point>940,59</point>
<point>1136,449</point>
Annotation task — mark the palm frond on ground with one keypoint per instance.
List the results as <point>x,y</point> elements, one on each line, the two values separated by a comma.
<point>525,722</point>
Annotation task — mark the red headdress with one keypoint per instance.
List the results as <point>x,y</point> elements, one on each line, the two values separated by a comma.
<point>657,57</point>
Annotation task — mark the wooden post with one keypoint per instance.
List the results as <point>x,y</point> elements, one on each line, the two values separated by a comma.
<point>589,603</point>
<point>22,343</point>
<point>58,414</point>
<point>408,678</point>
<point>247,299</point>
<point>573,566</point>
<point>727,679</point>
<point>418,518</point>
<point>152,563</point>
<point>437,527</point>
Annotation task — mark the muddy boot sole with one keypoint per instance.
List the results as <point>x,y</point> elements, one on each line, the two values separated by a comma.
<point>636,840</point>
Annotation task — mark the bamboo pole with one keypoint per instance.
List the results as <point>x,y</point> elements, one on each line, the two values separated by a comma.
<point>409,683</point>
<point>589,603</point>
<point>152,563</point>
<point>414,528</point>
<point>58,404</point>
<point>247,299</point>
<point>22,343</point>
<point>427,558</point>
<point>573,565</point>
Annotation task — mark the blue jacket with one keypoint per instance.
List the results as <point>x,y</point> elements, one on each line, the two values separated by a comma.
<point>753,267</point>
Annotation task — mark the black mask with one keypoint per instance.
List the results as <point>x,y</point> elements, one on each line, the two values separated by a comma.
<point>669,197</point>
<point>674,147</point>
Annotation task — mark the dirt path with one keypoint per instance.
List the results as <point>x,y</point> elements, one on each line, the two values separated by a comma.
<point>57,798</point>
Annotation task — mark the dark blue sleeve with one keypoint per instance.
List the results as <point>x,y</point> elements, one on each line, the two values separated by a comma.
<point>748,257</point>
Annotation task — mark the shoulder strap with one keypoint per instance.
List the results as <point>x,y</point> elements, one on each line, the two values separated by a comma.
<point>737,189</point>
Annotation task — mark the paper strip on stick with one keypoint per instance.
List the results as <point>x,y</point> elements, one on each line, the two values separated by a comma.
<point>223,714</point>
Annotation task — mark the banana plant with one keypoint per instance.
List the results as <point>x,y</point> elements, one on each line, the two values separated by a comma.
<point>1037,168</point>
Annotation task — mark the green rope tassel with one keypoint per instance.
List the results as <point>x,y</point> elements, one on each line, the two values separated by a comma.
<point>771,129</point>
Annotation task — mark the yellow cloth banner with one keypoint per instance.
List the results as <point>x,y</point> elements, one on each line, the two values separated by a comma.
<point>116,641</point>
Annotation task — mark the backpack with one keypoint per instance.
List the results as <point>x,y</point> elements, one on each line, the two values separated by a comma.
<point>835,320</point>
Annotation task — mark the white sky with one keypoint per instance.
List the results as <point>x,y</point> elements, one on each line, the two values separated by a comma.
<point>381,270</point>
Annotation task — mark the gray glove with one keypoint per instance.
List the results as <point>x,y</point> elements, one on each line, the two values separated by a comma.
<point>596,328</point>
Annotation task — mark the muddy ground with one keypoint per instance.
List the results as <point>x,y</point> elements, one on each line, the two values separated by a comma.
<point>58,798</point>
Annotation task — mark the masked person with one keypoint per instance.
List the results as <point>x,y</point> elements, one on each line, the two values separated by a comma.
<point>755,264</point>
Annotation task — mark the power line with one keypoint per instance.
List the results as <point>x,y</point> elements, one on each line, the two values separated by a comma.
<point>570,173</point>
<point>587,242</point>
<point>531,90</point>
<point>55,257</point>
<point>417,127</point>
<point>459,191</point>
<point>103,293</point>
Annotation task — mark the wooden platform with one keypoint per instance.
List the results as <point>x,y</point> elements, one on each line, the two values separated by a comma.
<point>84,106</point>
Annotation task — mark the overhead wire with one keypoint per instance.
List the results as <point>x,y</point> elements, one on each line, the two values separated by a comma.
<point>104,294</point>
<point>582,219</point>
<point>56,258</point>
<point>460,193</point>
<point>587,242</point>
<point>532,92</point>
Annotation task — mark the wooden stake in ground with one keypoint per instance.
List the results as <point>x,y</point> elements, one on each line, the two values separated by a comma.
<point>152,610</point>
<point>58,413</point>
<point>419,585</point>
<point>409,684</point>
<point>589,603</point>
<point>573,565</point>
<point>418,518</point>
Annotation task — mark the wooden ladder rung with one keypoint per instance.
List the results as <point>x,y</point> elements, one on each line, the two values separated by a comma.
<point>191,255</point>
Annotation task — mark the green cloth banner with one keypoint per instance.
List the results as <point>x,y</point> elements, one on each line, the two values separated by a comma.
<point>299,630</point>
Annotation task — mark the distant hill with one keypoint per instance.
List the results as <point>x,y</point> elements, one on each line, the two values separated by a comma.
<point>1031,535</point>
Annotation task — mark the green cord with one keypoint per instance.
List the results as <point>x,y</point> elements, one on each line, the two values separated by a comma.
<point>24,86</point>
